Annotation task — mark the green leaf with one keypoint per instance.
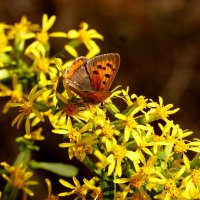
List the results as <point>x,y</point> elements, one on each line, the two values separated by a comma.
<point>111,108</point>
<point>129,110</point>
<point>60,88</point>
<point>61,169</point>
<point>41,106</point>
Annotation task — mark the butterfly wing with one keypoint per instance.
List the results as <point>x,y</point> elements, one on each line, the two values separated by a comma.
<point>76,76</point>
<point>93,97</point>
<point>102,70</point>
<point>91,79</point>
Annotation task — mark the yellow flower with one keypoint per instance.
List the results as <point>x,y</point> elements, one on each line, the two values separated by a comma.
<point>81,148</point>
<point>96,191</point>
<point>191,184</point>
<point>116,156</point>
<point>132,127</point>
<point>43,35</point>
<point>19,177</point>
<point>86,37</point>
<point>35,135</point>
<point>50,196</point>
<point>79,145</point>
<point>23,30</point>
<point>43,66</point>
<point>105,130</point>
<point>125,96</point>
<point>77,189</point>
<point>27,109</point>
<point>5,60</point>
<point>4,44</point>
<point>174,136</point>
<point>172,188</point>
<point>15,94</point>
<point>123,192</point>
<point>68,109</point>
<point>140,195</point>
<point>141,101</point>
<point>140,178</point>
<point>159,111</point>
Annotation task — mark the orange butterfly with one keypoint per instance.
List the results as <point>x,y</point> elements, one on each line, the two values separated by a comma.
<point>91,78</point>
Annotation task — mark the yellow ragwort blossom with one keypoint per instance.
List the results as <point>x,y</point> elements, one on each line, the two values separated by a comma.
<point>138,179</point>
<point>16,95</point>
<point>96,191</point>
<point>80,148</point>
<point>35,135</point>
<point>86,37</point>
<point>174,136</point>
<point>172,189</point>
<point>47,23</point>
<point>141,101</point>
<point>69,109</point>
<point>106,130</point>
<point>159,111</point>
<point>43,35</point>
<point>27,109</point>
<point>50,196</point>
<point>77,189</point>
<point>42,65</point>
<point>23,30</point>
<point>191,184</point>
<point>4,42</point>
<point>19,177</point>
<point>78,145</point>
<point>131,126</point>
<point>117,153</point>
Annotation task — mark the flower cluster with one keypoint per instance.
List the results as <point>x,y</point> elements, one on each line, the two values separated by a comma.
<point>26,61</point>
<point>134,151</point>
<point>137,159</point>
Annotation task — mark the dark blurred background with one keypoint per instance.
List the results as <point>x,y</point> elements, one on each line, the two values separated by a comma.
<point>158,41</point>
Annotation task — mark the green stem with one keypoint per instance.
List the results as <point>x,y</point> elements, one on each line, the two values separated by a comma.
<point>24,156</point>
<point>10,193</point>
<point>91,165</point>
<point>195,163</point>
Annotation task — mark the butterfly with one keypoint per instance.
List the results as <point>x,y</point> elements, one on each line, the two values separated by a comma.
<point>91,78</point>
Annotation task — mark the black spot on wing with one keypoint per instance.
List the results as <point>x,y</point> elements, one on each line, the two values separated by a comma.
<point>107,75</point>
<point>109,65</point>
<point>95,72</point>
<point>99,66</point>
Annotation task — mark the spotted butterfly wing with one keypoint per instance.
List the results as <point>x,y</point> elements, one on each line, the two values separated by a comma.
<point>102,70</point>
<point>91,78</point>
<point>76,75</point>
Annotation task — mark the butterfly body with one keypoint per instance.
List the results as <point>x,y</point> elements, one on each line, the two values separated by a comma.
<point>91,78</point>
